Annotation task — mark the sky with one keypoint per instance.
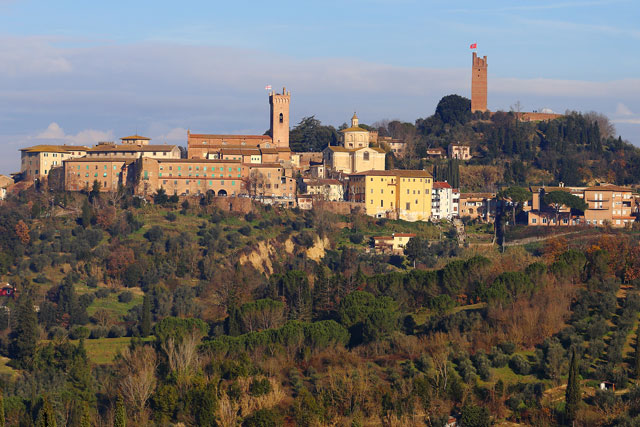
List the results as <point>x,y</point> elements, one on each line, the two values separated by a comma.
<point>82,72</point>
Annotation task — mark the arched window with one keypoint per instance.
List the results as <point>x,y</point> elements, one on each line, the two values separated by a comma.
<point>281,118</point>
<point>366,156</point>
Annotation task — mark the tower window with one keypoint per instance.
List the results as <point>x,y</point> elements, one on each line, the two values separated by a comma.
<point>281,118</point>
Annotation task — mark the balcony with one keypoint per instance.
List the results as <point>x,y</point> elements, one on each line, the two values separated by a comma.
<point>597,200</point>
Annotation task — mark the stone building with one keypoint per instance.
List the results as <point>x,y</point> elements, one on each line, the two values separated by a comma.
<point>36,162</point>
<point>80,173</point>
<point>206,146</point>
<point>459,151</point>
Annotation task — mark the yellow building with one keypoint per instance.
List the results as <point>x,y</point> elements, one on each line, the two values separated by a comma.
<point>37,161</point>
<point>395,194</point>
<point>353,160</point>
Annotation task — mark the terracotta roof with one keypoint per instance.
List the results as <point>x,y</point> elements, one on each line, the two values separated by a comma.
<point>269,150</point>
<point>132,148</point>
<point>439,184</point>
<point>608,188</point>
<point>404,173</point>
<point>404,235</point>
<point>138,137</point>
<point>215,136</point>
<point>100,160</point>
<point>324,182</point>
<point>477,195</point>
<point>383,237</point>
<point>264,165</point>
<point>341,149</point>
<point>242,151</point>
<point>194,161</point>
<point>354,129</point>
<point>54,148</point>
<point>283,149</point>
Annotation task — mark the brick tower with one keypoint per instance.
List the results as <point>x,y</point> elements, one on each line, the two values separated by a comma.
<point>280,117</point>
<point>479,84</point>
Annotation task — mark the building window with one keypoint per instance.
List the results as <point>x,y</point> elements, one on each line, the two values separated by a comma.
<point>366,156</point>
<point>382,203</point>
<point>534,221</point>
<point>281,118</point>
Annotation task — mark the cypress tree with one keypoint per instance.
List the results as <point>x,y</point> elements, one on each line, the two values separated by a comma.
<point>120,419</point>
<point>636,365</point>
<point>25,331</point>
<point>573,394</point>
<point>1,408</point>
<point>145,328</point>
<point>46,416</point>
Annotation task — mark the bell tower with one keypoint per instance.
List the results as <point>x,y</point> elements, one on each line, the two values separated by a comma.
<point>479,83</point>
<point>280,117</point>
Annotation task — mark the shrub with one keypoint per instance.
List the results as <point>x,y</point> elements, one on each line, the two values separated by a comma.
<point>259,387</point>
<point>92,282</point>
<point>116,331</point>
<point>79,332</point>
<point>99,332</point>
<point>57,332</point>
<point>171,216</point>
<point>263,418</point>
<point>356,238</point>
<point>519,365</point>
<point>507,347</point>
<point>125,297</point>
<point>102,293</point>
<point>245,230</point>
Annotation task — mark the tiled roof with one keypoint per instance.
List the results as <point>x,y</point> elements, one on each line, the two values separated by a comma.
<point>194,161</point>
<point>323,182</point>
<point>341,149</point>
<point>477,195</point>
<point>132,148</point>
<point>215,136</point>
<point>608,188</point>
<point>54,148</point>
<point>241,151</point>
<point>99,160</point>
<point>404,173</point>
<point>354,129</point>
<point>439,184</point>
<point>138,137</point>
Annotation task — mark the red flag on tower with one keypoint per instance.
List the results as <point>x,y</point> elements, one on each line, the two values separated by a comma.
<point>267,87</point>
<point>473,46</point>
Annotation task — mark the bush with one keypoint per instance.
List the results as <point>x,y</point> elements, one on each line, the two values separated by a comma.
<point>99,332</point>
<point>41,278</point>
<point>245,230</point>
<point>171,216</point>
<point>259,387</point>
<point>57,333</point>
<point>102,293</point>
<point>92,282</point>
<point>356,238</point>
<point>125,297</point>
<point>507,347</point>
<point>263,418</point>
<point>116,331</point>
<point>519,365</point>
<point>79,332</point>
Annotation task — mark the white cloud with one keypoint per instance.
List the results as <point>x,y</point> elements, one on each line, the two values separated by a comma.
<point>623,110</point>
<point>84,137</point>
<point>32,55</point>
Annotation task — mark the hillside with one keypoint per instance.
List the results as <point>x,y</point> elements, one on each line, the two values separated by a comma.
<point>200,316</point>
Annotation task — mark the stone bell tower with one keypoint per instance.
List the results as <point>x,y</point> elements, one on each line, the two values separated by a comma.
<point>280,117</point>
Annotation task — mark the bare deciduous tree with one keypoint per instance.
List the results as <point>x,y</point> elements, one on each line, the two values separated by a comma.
<point>138,378</point>
<point>183,357</point>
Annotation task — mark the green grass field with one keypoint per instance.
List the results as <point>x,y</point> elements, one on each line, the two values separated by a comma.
<point>102,351</point>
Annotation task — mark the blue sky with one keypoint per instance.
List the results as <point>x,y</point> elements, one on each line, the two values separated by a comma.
<point>79,72</point>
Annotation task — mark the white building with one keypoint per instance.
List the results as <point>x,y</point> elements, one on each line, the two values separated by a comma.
<point>442,201</point>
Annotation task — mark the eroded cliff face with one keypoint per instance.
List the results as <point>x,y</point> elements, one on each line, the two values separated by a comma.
<point>262,256</point>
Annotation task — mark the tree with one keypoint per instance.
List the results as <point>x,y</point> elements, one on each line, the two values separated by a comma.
<point>160,198</point>
<point>475,416</point>
<point>46,415</point>
<point>311,135</point>
<point>573,394</point>
<point>120,418</point>
<point>24,337</point>
<point>517,196</point>
<point>22,231</point>
<point>145,327</point>
<point>636,364</point>
<point>559,199</point>
<point>137,377</point>
<point>2,419</point>
<point>417,249</point>
<point>454,109</point>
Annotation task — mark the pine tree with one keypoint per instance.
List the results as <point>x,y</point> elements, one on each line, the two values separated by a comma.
<point>145,328</point>
<point>1,408</point>
<point>120,419</point>
<point>573,395</point>
<point>636,365</point>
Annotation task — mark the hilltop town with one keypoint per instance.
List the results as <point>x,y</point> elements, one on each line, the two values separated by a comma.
<point>358,172</point>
